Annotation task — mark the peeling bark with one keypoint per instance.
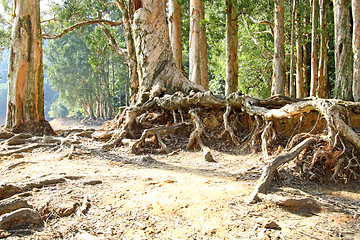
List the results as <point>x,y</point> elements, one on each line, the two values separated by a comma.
<point>343,56</point>
<point>26,91</point>
<point>157,70</point>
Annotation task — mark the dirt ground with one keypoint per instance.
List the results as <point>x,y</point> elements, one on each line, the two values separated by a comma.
<point>176,196</point>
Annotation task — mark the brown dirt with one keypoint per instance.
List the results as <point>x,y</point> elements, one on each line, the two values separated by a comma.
<point>177,196</point>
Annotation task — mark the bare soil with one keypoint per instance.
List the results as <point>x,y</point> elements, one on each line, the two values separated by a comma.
<point>175,196</point>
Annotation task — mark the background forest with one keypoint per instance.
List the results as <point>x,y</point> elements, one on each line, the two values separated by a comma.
<point>84,76</point>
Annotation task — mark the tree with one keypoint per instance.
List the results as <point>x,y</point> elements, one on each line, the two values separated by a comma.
<point>232,71</point>
<point>25,106</point>
<point>204,69</point>
<point>292,82</point>
<point>158,73</point>
<point>197,65</point>
<point>343,56</point>
<point>356,48</point>
<point>314,49</point>
<point>321,90</point>
<point>300,88</point>
<point>175,31</point>
<point>279,76</point>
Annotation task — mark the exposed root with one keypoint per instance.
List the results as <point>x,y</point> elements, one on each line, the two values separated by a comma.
<point>264,139</point>
<point>158,132</point>
<point>126,129</point>
<point>228,128</point>
<point>196,135</point>
<point>268,173</point>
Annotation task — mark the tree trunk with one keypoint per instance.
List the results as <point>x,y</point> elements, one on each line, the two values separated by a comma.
<point>25,106</point>
<point>292,59</point>
<point>322,80</point>
<point>314,50</point>
<point>343,56</point>
<point>175,31</point>
<point>279,76</point>
<point>194,41</point>
<point>157,71</point>
<point>131,61</point>
<point>232,70</point>
<point>356,48</point>
<point>300,88</point>
<point>204,69</point>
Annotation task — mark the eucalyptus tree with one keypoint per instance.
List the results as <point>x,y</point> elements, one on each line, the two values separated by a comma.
<point>343,50</point>
<point>279,75</point>
<point>232,28</point>
<point>25,104</point>
<point>356,48</point>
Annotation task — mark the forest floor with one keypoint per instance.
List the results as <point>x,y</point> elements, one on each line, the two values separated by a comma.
<point>177,196</point>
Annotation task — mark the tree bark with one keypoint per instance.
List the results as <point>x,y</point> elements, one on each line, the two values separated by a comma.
<point>198,72</point>
<point>132,61</point>
<point>175,31</point>
<point>343,56</point>
<point>279,77</point>
<point>194,41</point>
<point>25,104</point>
<point>300,91</point>
<point>322,80</point>
<point>356,48</point>
<point>314,50</point>
<point>232,70</point>
<point>204,69</point>
<point>157,71</point>
<point>292,60</point>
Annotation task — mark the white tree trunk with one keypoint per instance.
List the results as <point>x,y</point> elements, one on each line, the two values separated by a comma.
<point>157,70</point>
<point>175,31</point>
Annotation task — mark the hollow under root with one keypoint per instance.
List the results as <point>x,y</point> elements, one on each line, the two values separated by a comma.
<point>158,132</point>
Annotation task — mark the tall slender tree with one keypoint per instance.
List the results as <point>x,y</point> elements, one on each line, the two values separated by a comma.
<point>175,31</point>
<point>25,105</point>
<point>197,41</point>
<point>356,48</point>
<point>343,49</point>
<point>321,90</point>
<point>292,58</point>
<point>204,69</point>
<point>232,71</point>
<point>300,88</point>
<point>314,49</point>
<point>279,76</point>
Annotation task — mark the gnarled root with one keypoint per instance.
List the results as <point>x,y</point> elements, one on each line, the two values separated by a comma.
<point>158,132</point>
<point>196,135</point>
<point>268,173</point>
<point>228,128</point>
<point>118,135</point>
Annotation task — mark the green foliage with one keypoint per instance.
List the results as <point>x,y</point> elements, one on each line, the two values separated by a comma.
<point>58,109</point>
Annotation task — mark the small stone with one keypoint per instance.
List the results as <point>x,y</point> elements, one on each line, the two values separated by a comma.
<point>272,225</point>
